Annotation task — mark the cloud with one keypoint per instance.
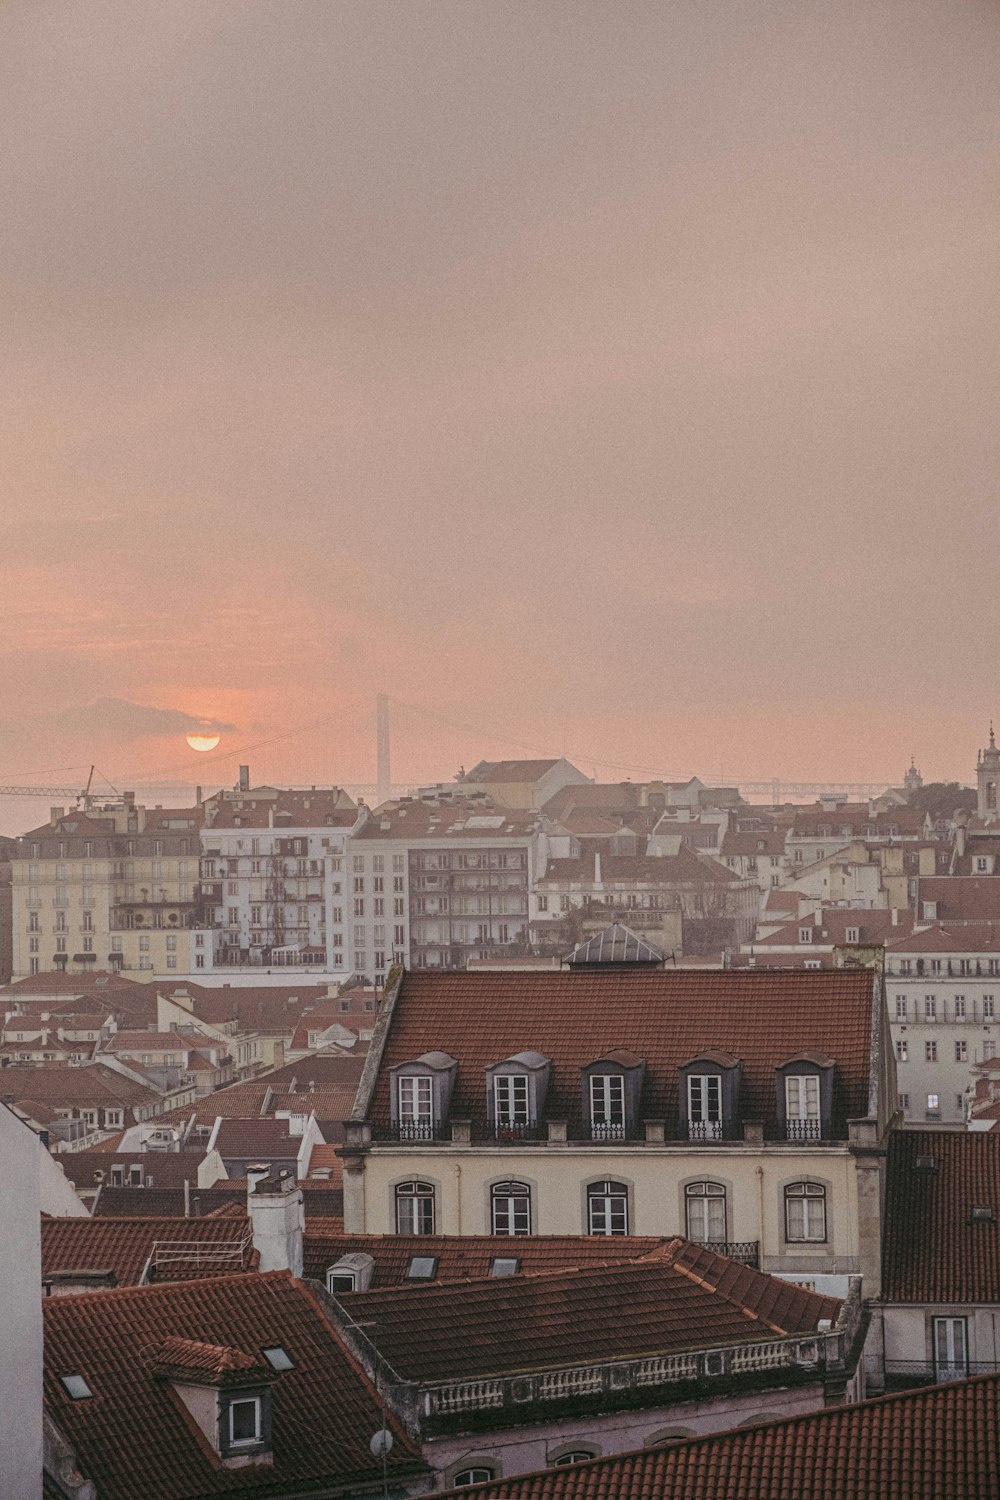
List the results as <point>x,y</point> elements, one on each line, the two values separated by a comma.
<point>120,719</point>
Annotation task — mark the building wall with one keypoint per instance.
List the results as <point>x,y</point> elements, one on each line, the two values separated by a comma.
<point>655,1175</point>
<point>908,1333</point>
<point>520,1450</point>
<point>948,1074</point>
<point>20,1311</point>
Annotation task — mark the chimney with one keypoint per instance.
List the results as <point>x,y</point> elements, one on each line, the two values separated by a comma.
<point>55,813</point>
<point>960,839</point>
<point>197,796</point>
<point>244,778</point>
<point>597,867</point>
<point>894,916</point>
<point>277,1220</point>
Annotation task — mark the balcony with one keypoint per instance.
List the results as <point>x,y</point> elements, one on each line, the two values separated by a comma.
<point>504,1130</point>
<point>416,1130</point>
<point>746,1252</point>
<point>607,1130</point>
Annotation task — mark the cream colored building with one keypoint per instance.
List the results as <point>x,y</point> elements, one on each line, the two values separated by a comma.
<point>112,887</point>
<point>746,1110</point>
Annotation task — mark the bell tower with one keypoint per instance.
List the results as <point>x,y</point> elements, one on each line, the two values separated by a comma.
<point>988,779</point>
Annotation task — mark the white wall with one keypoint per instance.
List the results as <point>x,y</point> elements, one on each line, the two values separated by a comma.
<point>20,1310</point>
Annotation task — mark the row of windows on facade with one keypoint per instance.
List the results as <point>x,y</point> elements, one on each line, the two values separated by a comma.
<point>108,848</point>
<point>961,1051</point>
<point>935,1008</point>
<point>969,968</point>
<point>608,1208</point>
<point>611,1090</point>
<point>933,1105</point>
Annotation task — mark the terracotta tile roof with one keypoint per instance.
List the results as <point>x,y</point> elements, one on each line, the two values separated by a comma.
<point>453,816</point>
<point>963,937</point>
<point>244,1101</point>
<point>770,841</point>
<point>502,771</point>
<point>875,926</point>
<point>853,821</point>
<point>125,1246</point>
<point>664,1016</point>
<point>321,1199</point>
<point>192,1358</point>
<point>325,1159</point>
<point>165,1168</point>
<point>135,1441</point>
<point>679,1297</point>
<point>683,868</point>
<point>932,1251</point>
<point>324,807</point>
<point>962,898</point>
<point>88,1086</point>
<point>940,1443</point>
<point>463,1257</point>
<point>266,1138</point>
<point>251,1005</point>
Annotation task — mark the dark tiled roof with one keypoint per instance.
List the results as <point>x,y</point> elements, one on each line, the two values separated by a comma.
<point>124,1246</point>
<point>244,1101</point>
<point>320,1199</point>
<point>136,1442</point>
<point>265,1138</point>
<point>941,1443</point>
<point>463,1257</point>
<point>680,1297</point>
<point>962,898</point>
<point>664,1016</point>
<point>498,771</point>
<point>165,1168</point>
<point>683,868</point>
<point>932,1251</point>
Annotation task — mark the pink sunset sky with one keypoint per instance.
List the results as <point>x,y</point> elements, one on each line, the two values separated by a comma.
<point>621,379</point>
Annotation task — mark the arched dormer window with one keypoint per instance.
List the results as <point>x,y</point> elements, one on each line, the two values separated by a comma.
<point>709,1099</point>
<point>805,1096</point>
<point>612,1090</point>
<point>421,1094</point>
<point>515,1099</point>
<point>510,1208</point>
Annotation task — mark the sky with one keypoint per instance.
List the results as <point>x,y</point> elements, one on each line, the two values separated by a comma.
<point>611,379</point>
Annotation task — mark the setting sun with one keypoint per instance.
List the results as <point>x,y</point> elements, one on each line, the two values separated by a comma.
<point>203,741</point>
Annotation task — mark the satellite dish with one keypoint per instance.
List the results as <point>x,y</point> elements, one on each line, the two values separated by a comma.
<point>381,1443</point>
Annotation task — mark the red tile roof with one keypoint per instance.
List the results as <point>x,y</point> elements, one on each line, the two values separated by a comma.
<point>932,1252</point>
<point>267,1138</point>
<point>962,937</point>
<point>679,1297</point>
<point>962,898</point>
<point>126,1246</point>
<point>941,1443</point>
<point>502,771</point>
<point>664,1016</point>
<point>324,807</point>
<point>135,1441</point>
<point>191,1357</point>
<point>874,926</point>
<point>683,868</point>
<point>463,1257</point>
<point>448,817</point>
<point>165,1168</point>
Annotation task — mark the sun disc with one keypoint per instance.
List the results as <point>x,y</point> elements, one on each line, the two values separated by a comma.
<point>203,741</point>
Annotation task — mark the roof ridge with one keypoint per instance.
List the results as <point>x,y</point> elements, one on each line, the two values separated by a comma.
<point>720,1291</point>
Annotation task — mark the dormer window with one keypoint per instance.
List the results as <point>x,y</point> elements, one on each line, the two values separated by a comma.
<point>244,1421</point>
<point>421,1094</point>
<point>516,1089</point>
<point>612,1091</point>
<point>805,1097</point>
<point>709,1096</point>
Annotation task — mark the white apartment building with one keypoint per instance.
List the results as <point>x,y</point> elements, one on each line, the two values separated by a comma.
<point>943,987</point>
<point>274,881</point>
<point>438,879</point>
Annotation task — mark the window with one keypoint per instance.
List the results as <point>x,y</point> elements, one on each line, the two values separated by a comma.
<point>510,1099</point>
<point>805,1212</point>
<point>805,934</point>
<point>959,1007</point>
<point>278,1358</point>
<point>244,1421</point>
<point>705,1211</point>
<point>930,1052</point>
<point>904,1101</point>
<point>505,1265</point>
<point>933,1104</point>
<point>422,1268</point>
<point>510,1208</point>
<point>575,1456</point>
<point>900,1007</point>
<point>988,1008</point>
<point>930,1008</point>
<point>704,1106</point>
<point>607,1208</point>
<point>960,1103</point>
<point>414,1208</point>
<point>33,923</point>
<point>607,1106</point>
<point>479,1474</point>
<point>543,903</point>
<point>113,1118</point>
<point>951,1360</point>
<point>416,1106</point>
<point>75,1387</point>
<point>802,1106</point>
<point>902,1051</point>
<point>989,1050</point>
<point>961,1051</point>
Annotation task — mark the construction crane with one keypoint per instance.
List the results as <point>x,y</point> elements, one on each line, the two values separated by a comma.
<point>50,791</point>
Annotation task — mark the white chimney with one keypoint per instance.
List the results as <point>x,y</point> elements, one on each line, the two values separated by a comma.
<point>894,916</point>
<point>597,868</point>
<point>277,1221</point>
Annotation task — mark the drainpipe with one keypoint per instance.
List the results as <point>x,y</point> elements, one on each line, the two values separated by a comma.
<point>458,1190</point>
<point>760,1217</point>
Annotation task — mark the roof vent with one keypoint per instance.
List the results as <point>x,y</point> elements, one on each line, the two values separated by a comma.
<point>981,1213</point>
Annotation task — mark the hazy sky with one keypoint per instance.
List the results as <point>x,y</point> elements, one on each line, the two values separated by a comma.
<point>619,377</point>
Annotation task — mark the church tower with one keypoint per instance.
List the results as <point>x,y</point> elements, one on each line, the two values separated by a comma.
<point>912,781</point>
<point>988,779</point>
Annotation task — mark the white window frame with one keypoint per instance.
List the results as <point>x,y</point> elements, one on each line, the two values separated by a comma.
<point>510,1208</point>
<point>704,1110</point>
<point>703,1203</point>
<point>416,1099</point>
<point>244,1442</point>
<point>607,1106</point>
<point>607,1208</point>
<point>808,1199</point>
<point>416,1207</point>
<point>511,1100</point>
<point>950,1344</point>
